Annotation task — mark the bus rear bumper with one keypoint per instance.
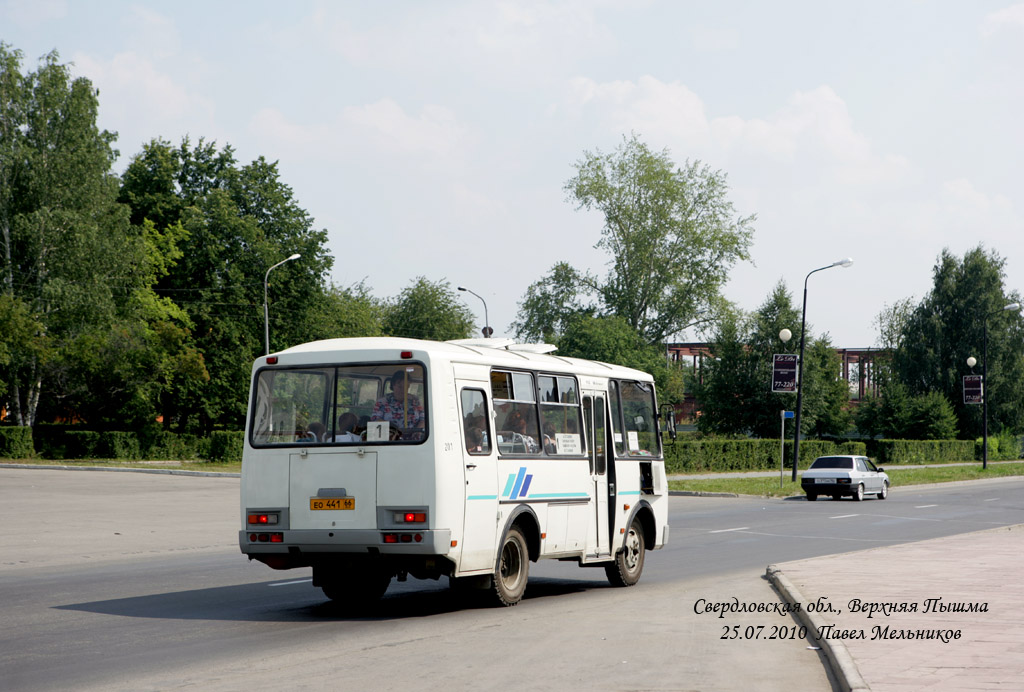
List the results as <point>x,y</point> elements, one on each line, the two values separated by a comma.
<point>319,541</point>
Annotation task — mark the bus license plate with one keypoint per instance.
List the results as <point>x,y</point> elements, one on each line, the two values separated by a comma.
<point>332,503</point>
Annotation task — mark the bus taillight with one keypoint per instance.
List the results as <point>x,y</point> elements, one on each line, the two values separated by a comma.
<point>410,517</point>
<point>263,519</point>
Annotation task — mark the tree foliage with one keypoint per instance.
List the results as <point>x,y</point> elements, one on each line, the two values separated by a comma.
<point>948,326</point>
<point>428,310</point>
<point>69,256</point>
<point>671,235</point>
<point>239,220</point>
<point>733,389</point>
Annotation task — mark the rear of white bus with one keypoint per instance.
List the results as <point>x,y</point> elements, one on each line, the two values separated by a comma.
<point>338,472</point>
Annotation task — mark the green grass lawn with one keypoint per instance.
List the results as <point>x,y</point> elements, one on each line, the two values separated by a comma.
<point>206,466</point>
<point>898,475</point>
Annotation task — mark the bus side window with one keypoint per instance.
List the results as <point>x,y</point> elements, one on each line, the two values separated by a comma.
<point>474,422</point>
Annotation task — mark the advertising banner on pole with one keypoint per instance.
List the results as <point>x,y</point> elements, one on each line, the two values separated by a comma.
<point>974,389</point>
<point>784,372</point>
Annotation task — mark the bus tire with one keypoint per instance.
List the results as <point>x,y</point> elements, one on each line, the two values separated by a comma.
<point>625,570</point>
<point>513,569</point>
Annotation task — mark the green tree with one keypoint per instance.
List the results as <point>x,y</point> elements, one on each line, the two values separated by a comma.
<point>68,254</point>
<point>428,310</point>
<point>826,394</point>
<point>947,327</point>
<point>897,414</point>
<point>239,221</point>
<point>734,391</point>
<point>551,304</point>
<point>346,312</point>
<point>671,234</point>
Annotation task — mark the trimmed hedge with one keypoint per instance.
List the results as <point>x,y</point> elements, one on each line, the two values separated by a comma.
<point>714,455</point>
<point>920,451</point>
<point>59,442</point>
<point>16,442</point>
<point>226,446</point>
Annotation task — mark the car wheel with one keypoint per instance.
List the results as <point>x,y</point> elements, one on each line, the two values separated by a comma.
<point>513,569</point>
<point>885,491</point>
<point>858,495</point>
<point>811,497</point>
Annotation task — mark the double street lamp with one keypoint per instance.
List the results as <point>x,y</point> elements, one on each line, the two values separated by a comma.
<point>266,310</point>
<point>800,365</point>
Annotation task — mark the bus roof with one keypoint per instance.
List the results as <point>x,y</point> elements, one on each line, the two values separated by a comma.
<point>503,353</point>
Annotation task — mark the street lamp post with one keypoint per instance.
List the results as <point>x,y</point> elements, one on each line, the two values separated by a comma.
<point>800,365</point>
<point>266,310</point>
<point>984,382</point>
<point>487,331</point>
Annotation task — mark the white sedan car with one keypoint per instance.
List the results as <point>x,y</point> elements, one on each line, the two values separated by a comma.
<point>841,475</point>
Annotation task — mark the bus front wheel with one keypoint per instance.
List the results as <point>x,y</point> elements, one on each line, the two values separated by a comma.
<point>629,562</point>
<point>512,570</point>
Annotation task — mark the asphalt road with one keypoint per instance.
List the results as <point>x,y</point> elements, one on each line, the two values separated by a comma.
<point>135,582</point>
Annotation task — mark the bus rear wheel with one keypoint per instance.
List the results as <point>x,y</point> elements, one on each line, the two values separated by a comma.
<point>512,570</point>
<point>355,587</point>
<point>629,562</point>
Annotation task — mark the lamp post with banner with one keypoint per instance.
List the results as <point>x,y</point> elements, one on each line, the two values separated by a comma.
<point>784,379</point>
<point>984,380</point>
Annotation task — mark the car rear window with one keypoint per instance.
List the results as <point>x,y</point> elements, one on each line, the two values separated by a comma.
<point>832,463</point>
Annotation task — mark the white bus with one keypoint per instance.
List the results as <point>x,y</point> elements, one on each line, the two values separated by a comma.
<point>377,458</point>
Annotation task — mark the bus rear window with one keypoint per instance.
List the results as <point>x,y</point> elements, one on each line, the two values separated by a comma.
<point>355,404</point>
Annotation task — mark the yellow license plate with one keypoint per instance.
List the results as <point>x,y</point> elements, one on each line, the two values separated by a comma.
<point>332,503</point>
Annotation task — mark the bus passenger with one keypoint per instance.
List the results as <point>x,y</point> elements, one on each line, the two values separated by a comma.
<point>318,431</point>
<point>398,407</point>
<point>346,424</point>
<point>517,424</point>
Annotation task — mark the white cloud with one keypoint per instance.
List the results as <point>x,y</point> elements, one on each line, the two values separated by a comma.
<point>814,128</point>
<point>1011,18</point>
<point>132,86</point>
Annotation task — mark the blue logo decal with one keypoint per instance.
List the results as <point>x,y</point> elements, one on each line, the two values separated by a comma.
<point>518,484</point>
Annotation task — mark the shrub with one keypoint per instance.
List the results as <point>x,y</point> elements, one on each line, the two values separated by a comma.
<point>16,442</point>
<point>715,454</point>
<point>920,451</point>
<point>225,446</point>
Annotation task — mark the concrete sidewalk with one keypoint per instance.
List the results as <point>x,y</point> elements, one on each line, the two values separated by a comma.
<point>948,613</point>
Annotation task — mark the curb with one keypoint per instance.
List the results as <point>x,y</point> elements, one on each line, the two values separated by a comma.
<point>843,666</point>
<point>117,469</point>
<point>700,493</point>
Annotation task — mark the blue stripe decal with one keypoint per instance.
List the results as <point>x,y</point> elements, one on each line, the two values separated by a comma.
<point>519,482</point>
<point>547,496</point>
<point>482,497</point>
<point>508,486</point>
<point>526,486</point>
<point>629,492</point>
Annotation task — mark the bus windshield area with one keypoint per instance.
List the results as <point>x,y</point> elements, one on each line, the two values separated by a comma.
<point>382,403</point>
<point>635,401</point>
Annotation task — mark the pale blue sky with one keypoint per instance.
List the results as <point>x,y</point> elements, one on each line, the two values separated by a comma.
<point>443,132</point>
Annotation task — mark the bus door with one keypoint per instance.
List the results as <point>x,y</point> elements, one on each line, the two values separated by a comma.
<point>481,478</point>
<point>594,421</point>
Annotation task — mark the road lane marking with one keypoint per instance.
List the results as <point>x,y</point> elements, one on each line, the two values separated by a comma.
<point>992,499</point>
<point>742,528</point>
<point>925,506</point>
<point>289,583</point>
<point>845,516</point>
